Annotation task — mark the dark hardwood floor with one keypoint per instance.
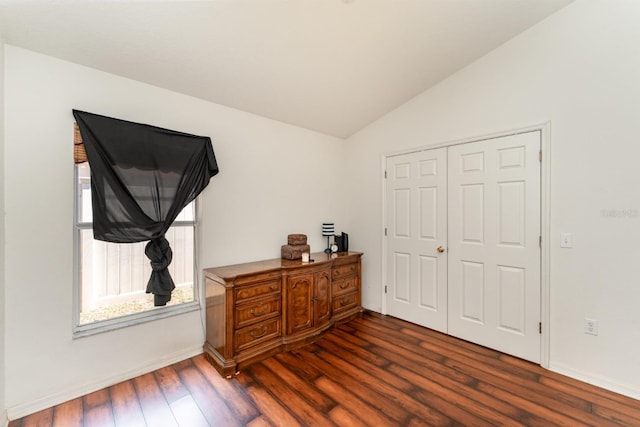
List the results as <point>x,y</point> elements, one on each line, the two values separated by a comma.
<point>373,371</point>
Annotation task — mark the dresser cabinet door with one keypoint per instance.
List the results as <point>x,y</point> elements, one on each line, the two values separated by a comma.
<point>322,298</point>
<point>299,303</point>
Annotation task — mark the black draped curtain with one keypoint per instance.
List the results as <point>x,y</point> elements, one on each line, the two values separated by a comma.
<point>141,178</point>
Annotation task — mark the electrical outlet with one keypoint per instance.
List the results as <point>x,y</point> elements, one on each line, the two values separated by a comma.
<point>590,326</point>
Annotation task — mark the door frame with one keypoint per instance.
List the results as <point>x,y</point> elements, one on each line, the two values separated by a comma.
<point>545,219</point>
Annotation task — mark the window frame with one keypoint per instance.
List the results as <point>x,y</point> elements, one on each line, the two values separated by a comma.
<point>78,330</point>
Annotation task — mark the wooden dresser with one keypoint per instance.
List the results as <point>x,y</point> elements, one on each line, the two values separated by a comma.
<point>258,309</point>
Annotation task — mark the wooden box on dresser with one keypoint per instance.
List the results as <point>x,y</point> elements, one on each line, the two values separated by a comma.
<point>257,309</point>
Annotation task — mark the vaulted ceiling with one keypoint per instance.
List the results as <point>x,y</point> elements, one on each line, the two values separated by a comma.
<point>333,66</point>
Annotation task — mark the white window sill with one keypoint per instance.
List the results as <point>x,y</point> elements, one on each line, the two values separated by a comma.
<point>89,329</point>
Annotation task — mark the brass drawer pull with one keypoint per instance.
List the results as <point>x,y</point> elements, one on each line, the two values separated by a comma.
<point>344,302</point>
<point>273,287</point>
<point>261,313</point>
<point>256,336</point>
<point>345,285</point>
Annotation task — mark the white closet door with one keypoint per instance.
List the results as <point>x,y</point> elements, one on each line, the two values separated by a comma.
<point>494,254</point>
<point>416,227</point>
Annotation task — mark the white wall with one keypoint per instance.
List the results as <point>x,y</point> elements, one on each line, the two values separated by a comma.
<point>3,417</point>
<point>580,70</point>
<point>272,182</point>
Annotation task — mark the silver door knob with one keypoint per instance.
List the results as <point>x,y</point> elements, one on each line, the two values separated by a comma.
<point>440,249</point>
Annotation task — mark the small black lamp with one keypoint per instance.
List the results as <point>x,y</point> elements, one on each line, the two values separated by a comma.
<point>328,230</point>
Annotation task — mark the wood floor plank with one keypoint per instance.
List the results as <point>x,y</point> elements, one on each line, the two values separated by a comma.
<point>155,408</point>
<point>345,360</point>
<point>358,351</point>
<point>272,409</point>
<point>600,397</point>
<point>429,334</point>
<point>373,371</point>
<point>453,351</point>
<point>342,417</point>
<point>243,381</point>
<point>260,421</point>
<point>424,334</point>
<point>418,422</point>
<point>366,413</point>
<point>170,384</point>
<point>460,383</point>
<point>187,413</point>
<point>39,419</point>
<point>481,360</point>
<point>343,336</point>
<point>97,398</point>
<point>210,403</point>
<point>359,385</point>
<point>410,351</point>
<point>126,408</point>
<point>460,363</point>
<point>543,409</point>
<point>346,327</point>
<point>616,415</point>
<point>466,387</point>
<point>288,396</point>
<point>68,414</point>
<point>453,396</point>
<point>302,369</point>
<point>532,393</point>
<point>318,400</point>
<point>243,409</point>
<point>355,379</point>
<point>507,377</point>
<point>381,330</point>
<point>97,409</point>
<point>422,364</point>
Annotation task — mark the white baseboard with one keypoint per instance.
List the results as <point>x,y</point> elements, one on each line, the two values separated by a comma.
<point>597,380</point>
<point>375,309</point>
<point>24,409</point>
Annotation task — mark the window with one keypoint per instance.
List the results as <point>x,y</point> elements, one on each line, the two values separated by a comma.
<point>111,278</point>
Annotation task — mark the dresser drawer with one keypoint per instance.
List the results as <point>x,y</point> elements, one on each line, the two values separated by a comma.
<point>256,334</point>
<point>344,286</point>
<point>246,292</point>
<point>345,302</point>
<point>257,310</point>
<point>343,271</point>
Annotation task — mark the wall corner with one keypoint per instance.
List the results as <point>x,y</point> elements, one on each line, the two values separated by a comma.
<point>3,400</point>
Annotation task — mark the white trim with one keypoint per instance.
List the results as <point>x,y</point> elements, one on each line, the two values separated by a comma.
<point>25,409</point>
<point>120,322</point>
<point>78,330</point>
<point>198,274</point>
<point>493,135</point>
<point>75,308</point>
<point>383,264</point>
<point>545,219</point>
<point>596,380</point>
<point>545,250</point>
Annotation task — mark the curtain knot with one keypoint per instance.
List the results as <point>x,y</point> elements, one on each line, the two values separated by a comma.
<point>160,283</point>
